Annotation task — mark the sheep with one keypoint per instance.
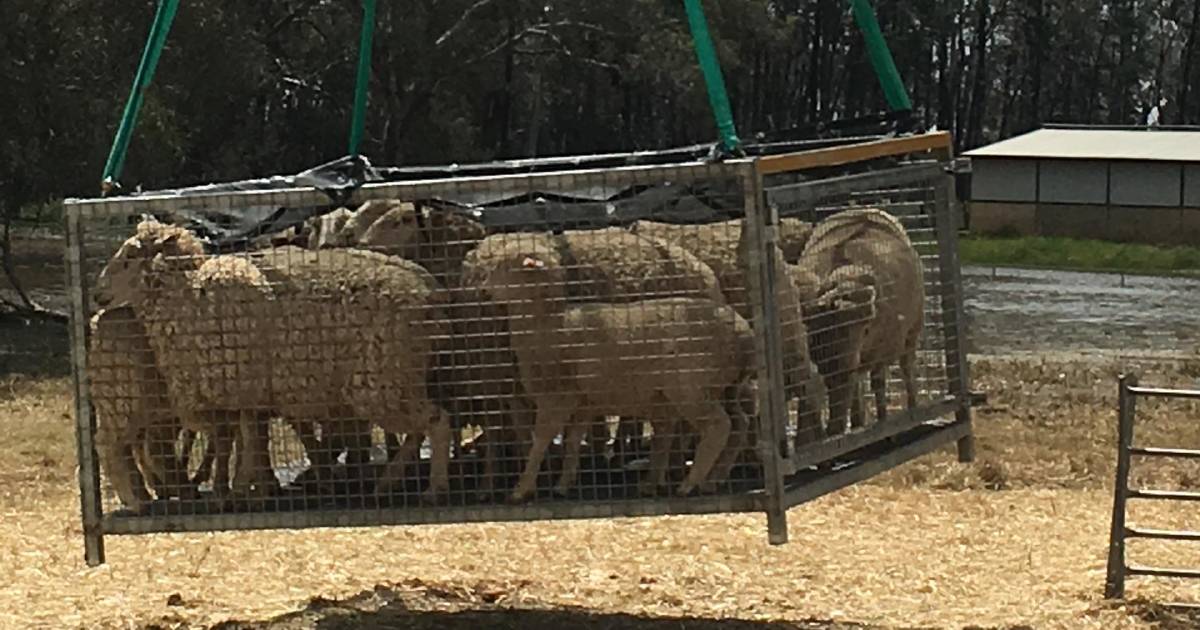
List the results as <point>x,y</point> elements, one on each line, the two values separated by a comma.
<point>716,245</point>
<point>725,248</point>
<point>233,335</point>
<point>357,339</point>
<point>869,311</point>
<point>664,359</point>
<point>321,231</point>
<point>130,400</point>
<point>204,322</point>
<point>479,381</point>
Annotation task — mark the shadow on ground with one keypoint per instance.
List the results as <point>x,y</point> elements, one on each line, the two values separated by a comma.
<point>428,607</point>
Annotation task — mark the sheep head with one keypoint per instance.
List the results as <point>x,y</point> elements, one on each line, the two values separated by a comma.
<point>397,231</point>
<point>840,316</point>
<point>526,275</point>
<point>144,260</point>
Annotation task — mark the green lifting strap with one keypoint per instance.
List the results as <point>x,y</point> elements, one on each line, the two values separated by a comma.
<point>163,18</point>
<point>881,57</point>
<point>718,98</point>
<point>359,118</point>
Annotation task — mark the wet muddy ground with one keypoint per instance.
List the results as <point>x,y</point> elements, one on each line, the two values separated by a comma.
<point>1017,310</point>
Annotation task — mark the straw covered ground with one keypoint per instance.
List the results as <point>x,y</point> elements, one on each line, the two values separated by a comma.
<point>1016,540</point>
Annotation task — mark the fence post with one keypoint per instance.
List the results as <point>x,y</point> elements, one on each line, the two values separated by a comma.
<point>1114,586</point>
<point>89,466</point>
<point>761,279</point>
<point>953,328</point>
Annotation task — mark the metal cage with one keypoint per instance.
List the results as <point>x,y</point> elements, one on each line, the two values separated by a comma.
<point>640,340</point>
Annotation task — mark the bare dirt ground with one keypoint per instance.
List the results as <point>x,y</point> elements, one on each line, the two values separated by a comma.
<point>1016,540</point>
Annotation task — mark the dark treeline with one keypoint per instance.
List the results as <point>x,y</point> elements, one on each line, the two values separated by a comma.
<point>255,88</point>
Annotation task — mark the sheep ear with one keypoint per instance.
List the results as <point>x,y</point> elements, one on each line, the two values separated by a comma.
<point>532,263</point>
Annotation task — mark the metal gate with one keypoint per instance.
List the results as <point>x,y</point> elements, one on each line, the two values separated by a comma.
<point>591,343</point>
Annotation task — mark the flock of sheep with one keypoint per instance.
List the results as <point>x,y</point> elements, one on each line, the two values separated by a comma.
<point>420,322</point>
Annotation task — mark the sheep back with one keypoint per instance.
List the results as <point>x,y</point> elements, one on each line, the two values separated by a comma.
<point>874,240</point>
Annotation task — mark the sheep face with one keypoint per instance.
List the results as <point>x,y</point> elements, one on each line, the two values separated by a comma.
<point>398,231</point>
<point>143,260</point>
<point>525,278</point>
<point>838,321</point>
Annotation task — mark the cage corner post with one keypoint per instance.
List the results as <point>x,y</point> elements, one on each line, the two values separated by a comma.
<point>772,407</point>
<point>953,327</point>
<point>89,465</point>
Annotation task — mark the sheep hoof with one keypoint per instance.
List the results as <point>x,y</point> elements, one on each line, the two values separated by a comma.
<point>686,490</point>
<point>518,498</point>
<point>562,491</point>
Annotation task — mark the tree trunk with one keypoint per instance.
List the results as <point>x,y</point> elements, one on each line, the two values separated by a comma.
<point>1189,59</point>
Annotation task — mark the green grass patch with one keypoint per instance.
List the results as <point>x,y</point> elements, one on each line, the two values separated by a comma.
<point>1084,255</point>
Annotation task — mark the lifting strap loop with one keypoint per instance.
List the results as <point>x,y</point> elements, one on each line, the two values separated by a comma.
<point>358,119</point>
<point>155,42</point>
<point>881,57</point>
<point>718,98</point>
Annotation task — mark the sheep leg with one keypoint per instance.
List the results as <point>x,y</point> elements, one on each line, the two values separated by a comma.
<point>739,439</point>
<point>394,471</point>
<point>250,478</point>
<point>160,446</point>
<point>838,386</point>
<point>439,460</point>
<point>857,413</point>
<point>549,423</point>
<point>908,371</point>
<point>573,443</point>
<point>879,387</point>
<point>123,473</point>
<point>808,415</point>
<point>661,440</point>
<point>713,438</point>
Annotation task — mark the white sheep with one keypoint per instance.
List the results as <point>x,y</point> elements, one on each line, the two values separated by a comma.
<point>233,352</point>
<point>869,311</point>
<point>666,359</point>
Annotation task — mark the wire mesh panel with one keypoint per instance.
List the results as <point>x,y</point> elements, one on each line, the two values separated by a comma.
<point>878,278</point>
<point>588,343</point>
<point>488,348</point>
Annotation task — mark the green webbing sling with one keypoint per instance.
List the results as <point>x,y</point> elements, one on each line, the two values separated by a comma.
<point>358,118</point>
<point>707,55</point>
<point>881,57</point>
<point>145,72</point>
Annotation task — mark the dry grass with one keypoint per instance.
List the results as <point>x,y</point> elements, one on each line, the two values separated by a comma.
<point>1016,540</point>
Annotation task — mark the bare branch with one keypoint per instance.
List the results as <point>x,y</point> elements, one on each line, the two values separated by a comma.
<point>462,21</point>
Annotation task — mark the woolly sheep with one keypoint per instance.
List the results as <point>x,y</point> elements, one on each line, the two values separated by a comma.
<point>479,382</point>
<point>206,321</point>
<point>135,427</point>
<point>233,350</point>
<point>357,336</point>
<point>664,359</point>
<point>869,311</point>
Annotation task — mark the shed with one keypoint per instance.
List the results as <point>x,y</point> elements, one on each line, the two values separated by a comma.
<point>1120,184</point>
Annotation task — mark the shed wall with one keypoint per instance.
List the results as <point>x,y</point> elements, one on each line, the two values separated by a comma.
<point>1145,184</point>
<point>1073,181</point>
<point>1004,180</point>
<point>1191,185</point>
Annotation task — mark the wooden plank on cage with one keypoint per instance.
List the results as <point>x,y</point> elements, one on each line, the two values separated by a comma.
<point>839,156</point>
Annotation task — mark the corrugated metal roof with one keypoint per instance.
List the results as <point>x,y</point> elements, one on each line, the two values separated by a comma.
<point>1098,144</point>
